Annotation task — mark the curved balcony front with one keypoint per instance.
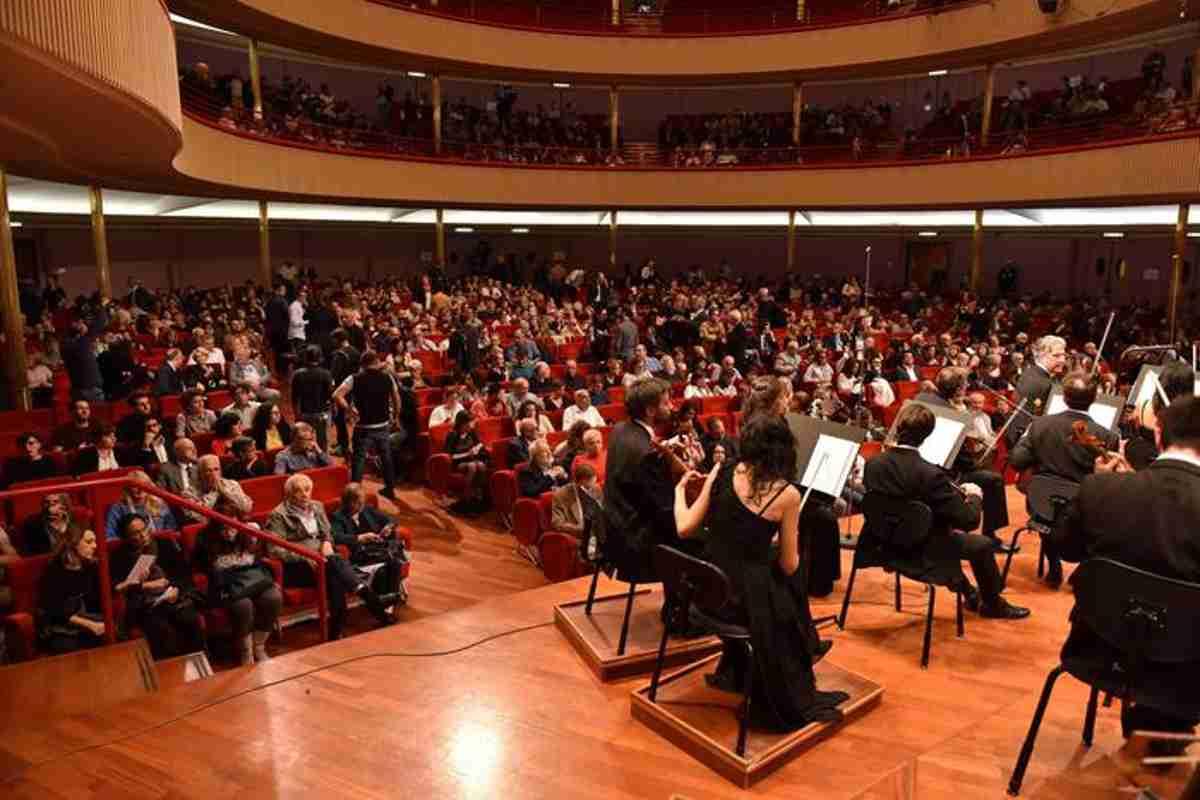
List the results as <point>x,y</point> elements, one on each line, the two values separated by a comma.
<point>960,36</point>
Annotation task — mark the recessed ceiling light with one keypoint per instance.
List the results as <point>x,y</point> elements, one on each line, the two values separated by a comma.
<point>15,224</point>
<point>928,233</point>
<point>464,230</point>
<point>1194,235</point>
<point>520,230</point>
<point>561,85</point>
<point>413,74</point>
<point>937,73</point>
<point>1113,235</point>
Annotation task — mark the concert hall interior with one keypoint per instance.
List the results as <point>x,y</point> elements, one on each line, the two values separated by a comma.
<point>600,399</point>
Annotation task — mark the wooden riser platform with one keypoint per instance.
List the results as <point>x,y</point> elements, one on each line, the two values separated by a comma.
<point>703,722</point>
<point>596,636</point>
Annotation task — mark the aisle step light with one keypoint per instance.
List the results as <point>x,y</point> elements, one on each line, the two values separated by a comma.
<point>464,230</point>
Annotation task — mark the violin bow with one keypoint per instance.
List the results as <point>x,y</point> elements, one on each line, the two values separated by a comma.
<point>1103,341</point>
<point>1003,428</point>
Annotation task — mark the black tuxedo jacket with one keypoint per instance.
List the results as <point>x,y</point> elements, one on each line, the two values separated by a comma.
<point>1034,387</point>
<point>639,502</point>
<point>1047,446</point>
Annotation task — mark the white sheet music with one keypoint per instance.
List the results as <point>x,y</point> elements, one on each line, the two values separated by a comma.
<point>1146,390</point>
<point>838,456</point>
<point>937,446</point>
<point>141,569</point>
<point>1102,414</point>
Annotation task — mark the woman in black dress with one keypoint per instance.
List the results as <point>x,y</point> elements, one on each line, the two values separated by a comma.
<point>743,506</point>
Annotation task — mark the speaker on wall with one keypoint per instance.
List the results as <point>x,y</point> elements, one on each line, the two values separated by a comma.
<point>1048,6</point>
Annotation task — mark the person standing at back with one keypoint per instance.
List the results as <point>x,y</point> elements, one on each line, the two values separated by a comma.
<point>312,394</point>
<point>343,363</point>
<point>276,312</point>
<point>373,402</point>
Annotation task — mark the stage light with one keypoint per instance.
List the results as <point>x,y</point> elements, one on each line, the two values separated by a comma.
<point>928,234</point>
<point>413,74</point>
<point>561,85</point>
<point>1194,235</point>
<point>520,230</point>
<point>15,224</point>
<point>1113,235</point>
<point>464,230</point>
<point>937,73</point>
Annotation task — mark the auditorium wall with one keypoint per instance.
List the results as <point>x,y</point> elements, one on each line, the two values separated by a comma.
<point>211,256</point>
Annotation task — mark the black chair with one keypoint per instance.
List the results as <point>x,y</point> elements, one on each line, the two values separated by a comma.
<point>704,589</point>
<point>1045,498</point>
<point>587,609</point>
<point>893,532</point>
<point>1138,618</point>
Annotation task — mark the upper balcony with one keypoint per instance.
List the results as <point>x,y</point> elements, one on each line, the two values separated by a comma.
<point>957,35</point>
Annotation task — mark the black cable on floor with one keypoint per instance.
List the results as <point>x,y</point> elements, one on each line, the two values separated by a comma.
<point>213,704</point>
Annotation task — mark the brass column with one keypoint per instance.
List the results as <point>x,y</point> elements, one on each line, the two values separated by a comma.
<point>989,94</point>
<point>977,252</point>
<point>801,11</point>
<point>1181,224</point>
<point>616,13</point>
<point>439,257</point>
<point>100,242</point>
<point>614,118</point>
<point>797,111</point>
<point>10,307</point>
<point>264,245</point>
<point>435,98</point>
<point>612,242</point>
<point>791,240</point>
<point>256,79</point>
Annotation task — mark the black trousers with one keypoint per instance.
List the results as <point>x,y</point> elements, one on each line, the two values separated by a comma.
<point>172,629</point>
<point>995,501</point>
<point>977,550</point>
<point>823,559</point>
<point>340,580</point>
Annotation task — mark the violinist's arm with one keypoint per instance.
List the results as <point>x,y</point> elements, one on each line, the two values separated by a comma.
<point>688,518</point>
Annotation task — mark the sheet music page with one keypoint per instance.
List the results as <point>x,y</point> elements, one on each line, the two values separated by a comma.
<point>1055,405</point>
<point>141,569</point>
<point>1103,415</point>
<point>1146,390</point>
<point>838,455</point>
<point>937,446</point>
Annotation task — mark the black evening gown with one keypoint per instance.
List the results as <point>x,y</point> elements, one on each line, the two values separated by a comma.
<point>774,607</point>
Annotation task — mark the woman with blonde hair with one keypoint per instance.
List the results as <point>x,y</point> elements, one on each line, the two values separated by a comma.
<point>136,500</point>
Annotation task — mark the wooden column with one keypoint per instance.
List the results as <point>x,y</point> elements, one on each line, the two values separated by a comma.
<point>256,79</point>
<point>439,254</point>
<point>977,252</point>
<point>1181,224</point>
<point>10,308</point>
<point>435,98</point>
<point>614,118</point>
<point>100,242</point>
<point>989,94</point>
<point>1195,74</point>
<point>264,245</point>
<point>612,242</point>
<point>797,111</point>
<point>801,10</point>
<point>791,240</point>
<point>616,13</point>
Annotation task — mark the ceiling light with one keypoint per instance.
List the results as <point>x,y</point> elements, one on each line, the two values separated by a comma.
<point>928,233</point>
<point>1194,235</point>
<point>182,20</point>
<point>15,224</point>
<point>413,74</point>
<point>464,230</point>
<point>561,85</point>
<point>937,73</point>
<point>1113,235</point>
<point>520,230</point>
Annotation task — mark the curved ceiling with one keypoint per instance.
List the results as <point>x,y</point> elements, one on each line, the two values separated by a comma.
<point>368,32</point>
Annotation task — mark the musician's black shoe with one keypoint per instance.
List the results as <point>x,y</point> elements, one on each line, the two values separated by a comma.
<point>723,681</point>
<point>1054,579</point>
<point>1002,609</point>
<point>970,598</point>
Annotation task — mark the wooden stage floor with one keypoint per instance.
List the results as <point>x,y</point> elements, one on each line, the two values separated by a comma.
<point>522,717</point>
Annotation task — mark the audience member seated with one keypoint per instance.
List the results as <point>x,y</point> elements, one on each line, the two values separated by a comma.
<point>244,405</point>
<point>70,616</point>
<point>154,451</point>
<point>491,404</point>
<point>901,472</point>
<point>532,411</point>
<point>582,409</point>
<point>170,374</point>
<point>32,466</point>
<point>684,442</point>
<point>131,428</point>
<point>576,505</point>
<point>519,446</point>
<point>594,454</point>
<point>271,431</point>
<point>77,432</point>
<point>160,600</point>
<point>210,486</point>
<point>178,476</point>
<point>518,395</point>
<point>566,450</point>
<point>448,411</point>
<point>303,453</point>
<point>246,368</point>
<point>247,461</point>
<point>43,532</point>
<point>370,536</point>
<point>136,500</point>
<point>718,446</point>
<point>1146,520</point>
<point>102,455</point>
<point>194,418</point>
<point>227,428</point>
<point>301,520</point>
<point>471,458</point>
<point>745,505</point>
<point>226,556</point>
<point>541,475</point>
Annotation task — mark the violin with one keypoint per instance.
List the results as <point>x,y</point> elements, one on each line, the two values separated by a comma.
<point>1096,448</point>
<point>678,467</point>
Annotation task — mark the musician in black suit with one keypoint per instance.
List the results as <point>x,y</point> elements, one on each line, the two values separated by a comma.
<point>1176,379</point>
<point>1147,520</point>
<point>1048,447</point>
<point>902,472</point>
<point>1036,381</point>
<point>639,492</point>
<point>951,393</point>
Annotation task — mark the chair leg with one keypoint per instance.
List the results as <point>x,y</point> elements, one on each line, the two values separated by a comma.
<point>841,622</point>
<point>1018,776</point>
<point>898,605</point>
<point>959,613</point>
<point>1089,721</point>
<point>928,629</point>
<point>587,609</point>
<point>744,726</point>
<point>1041,557</point>
<point>658,665</point>
<point>625,624</point>
<point>1108,699</point>
<point>1012,548</point>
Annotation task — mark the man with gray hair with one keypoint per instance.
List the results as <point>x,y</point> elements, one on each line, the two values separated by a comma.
<point>210,486</point>
<point>519,448</point>
<point>1035,383</point>
<point>518,395</point>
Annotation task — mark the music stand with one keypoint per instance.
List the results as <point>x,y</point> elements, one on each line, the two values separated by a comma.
<point>950,430</point>
<point>1105,411</point>
<point>1143,388</point>
<point>816,438</point>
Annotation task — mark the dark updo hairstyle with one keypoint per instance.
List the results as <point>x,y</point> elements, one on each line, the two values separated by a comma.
<point>767,447</point>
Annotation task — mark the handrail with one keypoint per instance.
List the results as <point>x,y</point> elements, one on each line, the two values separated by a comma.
<point>99,513</point>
